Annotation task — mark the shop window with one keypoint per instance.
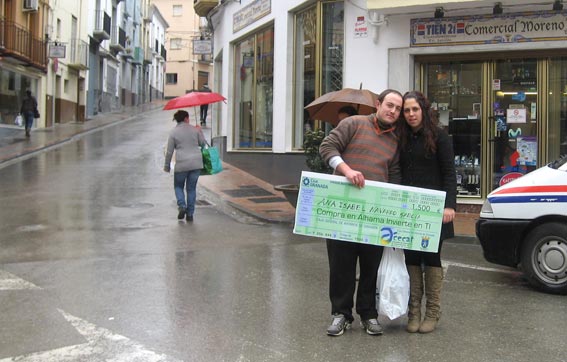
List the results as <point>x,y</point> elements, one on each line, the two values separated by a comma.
<point>454,90</point>
<point>254,72</point>
<point>13,87</point>
<point>557,142</point>
<point>515,120</point>
<point>308,68</point>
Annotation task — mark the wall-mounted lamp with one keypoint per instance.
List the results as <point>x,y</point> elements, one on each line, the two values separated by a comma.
<point>497,9</point>
<point>558,5</point>
<point>439,13</point>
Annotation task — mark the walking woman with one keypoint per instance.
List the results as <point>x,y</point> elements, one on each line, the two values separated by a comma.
<point>427,161</point>
<point>186,140</point>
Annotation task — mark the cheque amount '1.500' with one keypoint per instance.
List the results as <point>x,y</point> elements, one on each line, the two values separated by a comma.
<point>421,207</point>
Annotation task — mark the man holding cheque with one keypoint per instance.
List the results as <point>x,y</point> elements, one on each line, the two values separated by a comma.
<point>360,148</point>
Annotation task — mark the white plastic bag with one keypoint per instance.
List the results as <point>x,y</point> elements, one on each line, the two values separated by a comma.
<point>19,121</point>
<point>392,284</point>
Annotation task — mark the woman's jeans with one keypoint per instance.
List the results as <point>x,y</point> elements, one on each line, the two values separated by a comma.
<point>28,119</point>
<point>186,179</point>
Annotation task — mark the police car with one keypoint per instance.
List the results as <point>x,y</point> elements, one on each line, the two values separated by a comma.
<point>524,224</point>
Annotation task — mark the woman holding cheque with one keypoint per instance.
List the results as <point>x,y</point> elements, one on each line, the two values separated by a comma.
<point>427,161</point>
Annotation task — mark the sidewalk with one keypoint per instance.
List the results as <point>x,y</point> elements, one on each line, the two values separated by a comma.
<point>237,188</point>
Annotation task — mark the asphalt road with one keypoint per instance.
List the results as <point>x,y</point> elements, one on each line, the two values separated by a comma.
<point>94,266</point>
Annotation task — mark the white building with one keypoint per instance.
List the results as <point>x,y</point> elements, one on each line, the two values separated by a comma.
<point>496,75</point>
<point>156,40</point>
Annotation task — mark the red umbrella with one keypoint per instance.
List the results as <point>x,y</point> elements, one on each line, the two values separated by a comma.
<point>193,99</point>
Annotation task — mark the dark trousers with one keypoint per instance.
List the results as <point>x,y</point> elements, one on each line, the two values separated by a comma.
<point>343,256</point>
<point>204,110</point>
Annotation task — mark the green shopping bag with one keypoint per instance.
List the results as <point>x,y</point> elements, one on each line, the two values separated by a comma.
<point>212,163</point>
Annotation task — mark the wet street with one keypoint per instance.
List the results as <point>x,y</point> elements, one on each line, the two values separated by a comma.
<point>95,266</point>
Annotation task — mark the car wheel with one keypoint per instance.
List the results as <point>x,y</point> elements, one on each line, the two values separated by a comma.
<point>544,257</point>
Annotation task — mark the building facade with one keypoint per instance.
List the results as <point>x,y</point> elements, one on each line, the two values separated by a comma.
<point>79,58</point>
<point>23,57</point>
<point>189,64</point>
<point>496,75</point>
<point>156,38</point>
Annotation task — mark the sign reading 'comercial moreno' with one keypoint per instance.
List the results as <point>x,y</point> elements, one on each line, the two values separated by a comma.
<point>489,29</point>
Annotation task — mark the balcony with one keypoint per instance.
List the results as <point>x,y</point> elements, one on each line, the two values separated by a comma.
<point>79,54</point>
<point>138,57</point>
<point>102,26</point>
<point>202,7</point>
<point>128,53</point>
<point>148,56</point>
<point>18,43</point>
<point>118,39</point>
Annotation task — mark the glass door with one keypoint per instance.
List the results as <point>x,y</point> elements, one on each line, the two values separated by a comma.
<point>515,112</point>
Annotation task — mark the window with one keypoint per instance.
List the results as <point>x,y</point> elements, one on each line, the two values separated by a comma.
<point>254,90</point>
<point>175,43</point>
<point>177,10</point>
<point>58,29</point>
<point>171,78</point>
<point>203,78</point>
<point>314,77</point>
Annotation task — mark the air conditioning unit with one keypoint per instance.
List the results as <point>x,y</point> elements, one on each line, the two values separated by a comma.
<point>30,5</point>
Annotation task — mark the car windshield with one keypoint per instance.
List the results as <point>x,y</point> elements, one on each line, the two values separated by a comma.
<point>560,163</point>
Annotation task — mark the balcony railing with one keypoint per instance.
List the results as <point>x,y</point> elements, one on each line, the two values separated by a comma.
<point>102,25</point>
<point>79,54</point>
<point>118,39</point>
<point>18,42</point>
<point>138,56</point>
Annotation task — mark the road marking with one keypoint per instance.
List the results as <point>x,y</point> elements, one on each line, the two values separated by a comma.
<point>476,267</point>
<point>102,345</point>
<point>9,281</point>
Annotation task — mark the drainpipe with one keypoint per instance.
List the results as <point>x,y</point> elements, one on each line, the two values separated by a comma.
<point>376,20</point>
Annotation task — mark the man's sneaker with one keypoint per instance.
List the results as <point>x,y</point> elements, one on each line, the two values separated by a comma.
<point>181,213</point>
<point>372,327</point>
<point>338,325</point>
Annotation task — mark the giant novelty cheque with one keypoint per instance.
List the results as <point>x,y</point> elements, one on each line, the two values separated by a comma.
<point>380,213</point>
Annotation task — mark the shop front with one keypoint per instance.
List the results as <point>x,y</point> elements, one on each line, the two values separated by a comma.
<point>505,110</point>
<point>14,82</point>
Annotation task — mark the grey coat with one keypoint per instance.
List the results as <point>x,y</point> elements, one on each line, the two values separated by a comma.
<point>186,140</point>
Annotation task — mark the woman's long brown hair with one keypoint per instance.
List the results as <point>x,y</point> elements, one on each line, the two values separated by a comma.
<point>429,123</point>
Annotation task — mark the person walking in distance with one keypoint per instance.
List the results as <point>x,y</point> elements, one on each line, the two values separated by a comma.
<point>427,161</point>
<point>186,140</point>
<point>28,110</point>
<point>204,107</point>
<point>360,148</point>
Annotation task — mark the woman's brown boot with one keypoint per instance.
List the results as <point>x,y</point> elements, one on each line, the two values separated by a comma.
<point>433,283</point>
<point>416,294</point>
